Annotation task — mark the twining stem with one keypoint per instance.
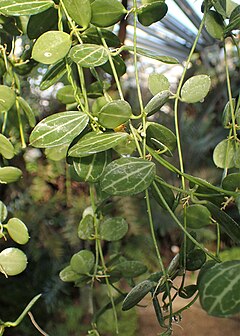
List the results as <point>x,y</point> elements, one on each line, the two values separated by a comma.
<point>20,125</point>
<point>178,312</point>
<point>83,87</point>
<point>180,224</point>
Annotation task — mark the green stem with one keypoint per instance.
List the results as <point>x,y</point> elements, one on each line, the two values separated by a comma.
<point>20,125</point>
<point>178,312</point>
<point>218,240</point>
<point>180,224</point>
<point>83,87</point>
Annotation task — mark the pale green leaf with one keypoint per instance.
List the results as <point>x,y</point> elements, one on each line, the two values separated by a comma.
<point>17,231</point>
<point>82,262</point>
<point>6,148</point>
<point>27,110</point>
<point>214,24</point>
<point>127,176</point>
<point>7,98</point>
<point>195,88</point>
<point>58,129</point>
<point>89,55</point>
<point>68,275</point>
<point>3,212</point>
<point>93,142</point>
<point>158,83</point>
<point>115,113</point>
<point>223,155</point>
<point>153,55</point>
<point>57,153</point>
<point>51,47</point>
<point>80,11</point>
<point>24,7</point>
<point>86,227</point>
<point>12,261</point>
<point>9,174</point>
<point>219,289</point>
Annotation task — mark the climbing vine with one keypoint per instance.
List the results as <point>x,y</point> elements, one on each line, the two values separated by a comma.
<point>118,153</point>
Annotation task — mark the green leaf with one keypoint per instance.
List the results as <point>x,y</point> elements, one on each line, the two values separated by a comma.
<point>158,83</point>
<point>7,98</point>
<point>106,13</point>
<point>195,88</point>
<point>126,147</point>
<point>167,194</point>
<point>68,275</point>
<point>6,148</point>
<point>195,260</point>
<point>9,174</point>
<point>3,212</point>
<point>24,7</point>
<point>153,55</point>
<point>82,262</point>
<point>86,228</point>
<point>234,21</point>
<point>92,36</point>
<point>157,102</point>
<point>54,73</point>
<point>214,24</point>
<point>119,64</point>
<point>93,142</point>
<point>113,229</point>
<point>98,104</point>
<point>89,55</point>
<point>57,153</point>
<point>90,168</point>
<point>131,269</point>
<point>198,216</point>
<point>231,182</point>
<point>58,129</point>
<point>27,110</point>
<point>66,95</point>
<point>79,11</point>
<point>152,12</point>
<point>188,291</point>
<point>219,289</point>
<point>223,154</point>
<point>12,261</point>
<point>51,47</point>
<point>227,115</point>
<point>42,22</point>
<point>17,231</point>
<point>160,137</point>
<point>137,294</point>
<point>227,224</point>
<point>127,176</point>
<point>115,113</point>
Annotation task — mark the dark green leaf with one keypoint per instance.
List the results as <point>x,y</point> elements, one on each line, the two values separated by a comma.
<point>231,182</point>
<point>54,73</point>
<point>195,259</point>
<point>58,129</point>
<point>160,137</point>
<point>93,142</point>
<point>166,193</point>
<point>152,12</point>
<point>153,55</point>
<point>119,64</point>
<point>127,176</point>
<point>113,229</point>
<point>157,102</point>
<point>131,269</point>
<point>42,22</point>
<point>91,35</point>
<point>137,294</point>
<point>234,22</point>
<point>197,216</point>
<point>214,24</point>
<point>188,291</point>
<point>219,289</point>
<point>27,110</point>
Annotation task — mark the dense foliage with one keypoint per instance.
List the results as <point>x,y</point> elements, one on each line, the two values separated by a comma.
<point>100,140</point>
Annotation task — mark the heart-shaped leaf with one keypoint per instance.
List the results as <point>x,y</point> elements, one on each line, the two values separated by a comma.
<point>6,148</point>
<point>106,13</point>
<point>158,83</point>
<point>198,216</point>
<point>12,261</point>
<point>17,231</point>
<point>90,168</point>
<point>152,12</point>
<point>23,7</point>
<point>93,142</point>
<point>115,113</point>
<point>82,262</point>
<point>58,129</point>
<point>51,47</point>
<point>7,98</point>
<point>89,55</point>
<point>9,174</point>
<point>113,229</point>
<point>195,88</point>
<point>127,176</point>
<point>219,289</point>
<point>79,11</point>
